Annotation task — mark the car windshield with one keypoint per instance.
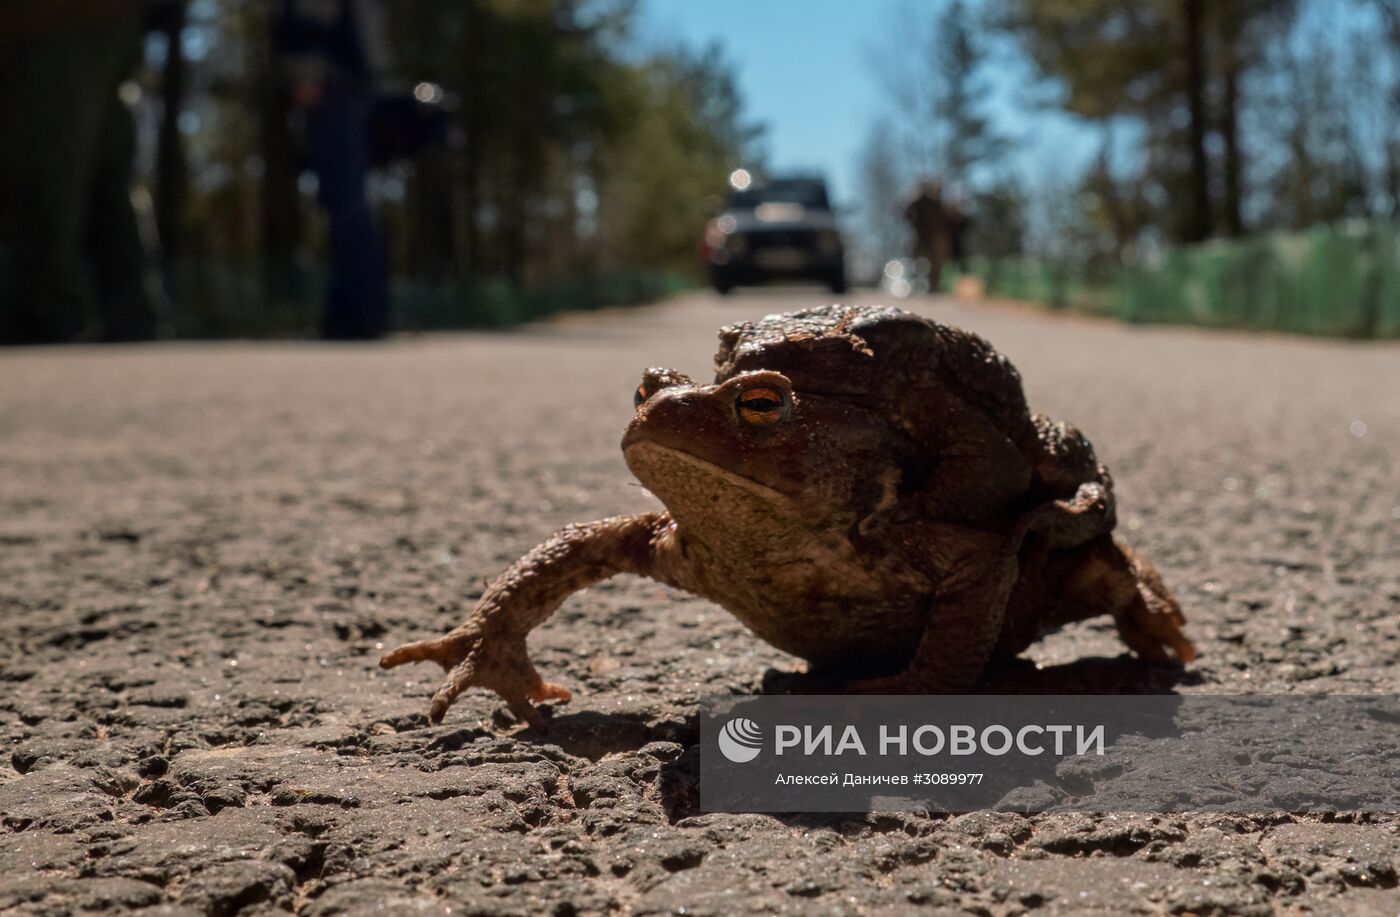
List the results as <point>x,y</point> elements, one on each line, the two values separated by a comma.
<point>809,194</point>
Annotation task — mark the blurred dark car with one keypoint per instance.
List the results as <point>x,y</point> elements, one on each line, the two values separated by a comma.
<point>780,229</point>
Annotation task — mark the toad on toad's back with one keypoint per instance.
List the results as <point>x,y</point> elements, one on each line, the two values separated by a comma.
<point>863,488</point>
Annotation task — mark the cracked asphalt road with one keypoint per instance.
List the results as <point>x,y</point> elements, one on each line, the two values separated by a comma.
<point>203,548</point>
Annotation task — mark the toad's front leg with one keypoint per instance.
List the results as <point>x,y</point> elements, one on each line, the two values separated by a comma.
<point>488,649</point>
<point>974,572</point>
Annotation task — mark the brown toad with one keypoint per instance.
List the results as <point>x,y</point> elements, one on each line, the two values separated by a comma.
<point>863,488</point>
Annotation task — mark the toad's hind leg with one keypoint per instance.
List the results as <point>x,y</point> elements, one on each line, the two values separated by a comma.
<point>1152,620</point>
<point>1097,578</point>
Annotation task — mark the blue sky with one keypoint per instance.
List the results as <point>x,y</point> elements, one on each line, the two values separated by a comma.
<point>807,71</point>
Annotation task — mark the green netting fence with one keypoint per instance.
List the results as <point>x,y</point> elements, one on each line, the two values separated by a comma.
<point>1341,280</point>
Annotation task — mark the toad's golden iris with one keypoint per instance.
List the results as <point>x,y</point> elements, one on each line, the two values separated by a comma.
<point>761,405</point>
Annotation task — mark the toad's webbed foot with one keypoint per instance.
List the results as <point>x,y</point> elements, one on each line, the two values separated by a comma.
<point>474,660</point>
<point>1151,622</point>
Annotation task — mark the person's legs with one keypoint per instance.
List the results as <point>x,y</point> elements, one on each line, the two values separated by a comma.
<point>357,301</point>
<point>119,259</point>
<point>935,273</point>
<point>50,104</point>
<point>57,96</point>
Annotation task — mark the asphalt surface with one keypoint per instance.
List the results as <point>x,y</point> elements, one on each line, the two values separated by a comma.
<point>204,548</point>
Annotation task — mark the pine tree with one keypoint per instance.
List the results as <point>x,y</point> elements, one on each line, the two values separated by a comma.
<point>957,64</point>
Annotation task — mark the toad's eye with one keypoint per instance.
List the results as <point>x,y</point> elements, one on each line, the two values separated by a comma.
<point>761,405</point>
<point>639,396</point>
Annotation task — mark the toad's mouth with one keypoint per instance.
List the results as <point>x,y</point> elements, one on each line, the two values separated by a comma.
<point>649,459</point>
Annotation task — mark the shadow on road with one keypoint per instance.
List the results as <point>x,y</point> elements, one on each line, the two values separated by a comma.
<point>1122,674</point>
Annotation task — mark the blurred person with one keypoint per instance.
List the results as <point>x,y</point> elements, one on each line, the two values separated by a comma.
<point>959,224</point>
<point>67,144</point>
<point>934,224</point>
<point>331,53</point>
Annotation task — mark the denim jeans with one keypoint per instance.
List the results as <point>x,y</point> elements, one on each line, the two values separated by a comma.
<point>357,297</point>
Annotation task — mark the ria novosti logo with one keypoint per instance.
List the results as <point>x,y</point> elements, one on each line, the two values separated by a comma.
<point>740,740</point>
